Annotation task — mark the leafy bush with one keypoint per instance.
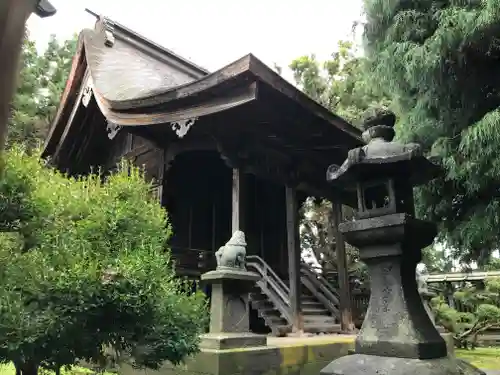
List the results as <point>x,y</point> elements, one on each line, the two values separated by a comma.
<point>84,268</point>
<point>482,312</point>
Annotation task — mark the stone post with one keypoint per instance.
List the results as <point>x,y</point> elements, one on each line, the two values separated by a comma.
<point>427,296</point>
<point>229,309</point>
<point>397,336</point>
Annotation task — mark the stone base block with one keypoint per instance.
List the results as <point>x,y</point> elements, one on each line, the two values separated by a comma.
<point>292,359</point>
<point>448,339</point>
<point>232,340</point>
<point>368,364</point>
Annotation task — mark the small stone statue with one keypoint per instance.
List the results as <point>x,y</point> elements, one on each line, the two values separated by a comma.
<point>233,253</point>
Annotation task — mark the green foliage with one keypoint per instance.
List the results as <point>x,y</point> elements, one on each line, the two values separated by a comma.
<point>339,84</point>
<point>84,267</point>
<point>316,235</point>
<point>480,311</point>
<point>436,259</point>
<point>438,60</point>
<point>41,82</point>
<point>493,264</point>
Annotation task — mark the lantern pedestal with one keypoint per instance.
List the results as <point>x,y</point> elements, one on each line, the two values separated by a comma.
<point>396,322</point>
<point>363,364</point>
<point>397,336</point>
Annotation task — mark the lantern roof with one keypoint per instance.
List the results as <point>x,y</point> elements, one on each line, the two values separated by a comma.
<point>382,157</point>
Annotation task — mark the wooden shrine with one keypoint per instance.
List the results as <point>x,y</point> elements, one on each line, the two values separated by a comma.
<point>239,148</point>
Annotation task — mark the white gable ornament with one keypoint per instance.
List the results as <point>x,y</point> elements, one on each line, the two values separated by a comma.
<point>181,127</point>
<point>112,129</point>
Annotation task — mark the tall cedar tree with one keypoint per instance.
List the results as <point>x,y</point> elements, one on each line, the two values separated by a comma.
<point>439,61</point>
<point>40,84</point>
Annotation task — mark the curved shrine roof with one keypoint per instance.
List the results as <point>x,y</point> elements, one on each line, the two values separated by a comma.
<point>132,76</point>
<point>138,83</point>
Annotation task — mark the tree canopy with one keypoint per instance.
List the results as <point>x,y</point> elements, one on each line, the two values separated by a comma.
<point>42,79</point>
<point>438,59</point>
<point>84,266</point>
<point>339,83</point>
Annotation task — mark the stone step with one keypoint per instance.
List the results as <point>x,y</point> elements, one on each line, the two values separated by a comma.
<point>309,299</point>
<point>278,319</point>
<point>262,304</point>
<point>312,305</point>
<point>271,313</point>
<point>308,310</point>
<point>319,319</point>
<point>321,328</point>
<point>258,297</point>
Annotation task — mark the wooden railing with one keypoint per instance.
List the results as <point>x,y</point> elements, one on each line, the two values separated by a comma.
<point>360,300</point>
<point>272,285</point>
<point>321,289</point>
<point>192,261</point>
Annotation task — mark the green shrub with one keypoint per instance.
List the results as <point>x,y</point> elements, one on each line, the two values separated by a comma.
<point>84,268</point>
<point>483,313</point>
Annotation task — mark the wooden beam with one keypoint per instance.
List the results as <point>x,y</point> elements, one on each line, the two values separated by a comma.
<point>346,322</point>
<point>77,108</point>
<point>238,201</point>
<point>293,247</point>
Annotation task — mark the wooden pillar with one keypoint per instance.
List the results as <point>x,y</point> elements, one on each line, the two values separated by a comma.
<point>293,247</point>
<point>344,288</point>
<point>238,201</point>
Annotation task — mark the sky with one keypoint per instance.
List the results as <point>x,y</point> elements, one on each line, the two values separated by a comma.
<point>216,32</point>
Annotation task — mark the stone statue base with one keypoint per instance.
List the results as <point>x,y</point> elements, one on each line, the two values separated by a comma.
<point>221,341</point>
<point>363,364</point>
<point>229,310</point>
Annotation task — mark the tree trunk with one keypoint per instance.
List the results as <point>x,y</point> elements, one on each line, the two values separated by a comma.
<point>29,369</point>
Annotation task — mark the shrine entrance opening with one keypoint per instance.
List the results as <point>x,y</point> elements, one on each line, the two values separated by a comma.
<point>197,196</point>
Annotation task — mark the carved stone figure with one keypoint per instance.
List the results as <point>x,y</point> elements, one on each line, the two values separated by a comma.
<point>233,253</point>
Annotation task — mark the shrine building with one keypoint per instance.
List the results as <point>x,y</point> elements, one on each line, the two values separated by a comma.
<point>235,149</point>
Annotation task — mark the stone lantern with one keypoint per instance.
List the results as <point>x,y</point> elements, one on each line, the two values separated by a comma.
<point>397,336</point>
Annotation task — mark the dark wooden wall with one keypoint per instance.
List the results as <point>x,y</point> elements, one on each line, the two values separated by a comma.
<point>144,154</point>
<point>197,195</point>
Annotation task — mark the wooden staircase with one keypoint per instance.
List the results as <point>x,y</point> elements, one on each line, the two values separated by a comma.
<point>267,310</point>
<point>317,318</point>
<point>270,298</point>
